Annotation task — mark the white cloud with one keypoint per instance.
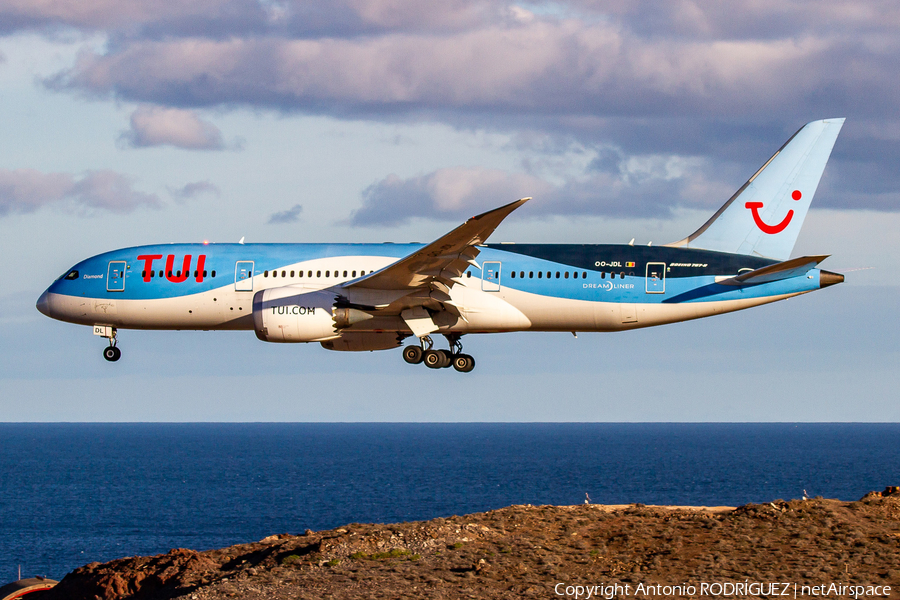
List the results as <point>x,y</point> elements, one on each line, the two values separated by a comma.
<point>158,126</point>
<point>27,190</point>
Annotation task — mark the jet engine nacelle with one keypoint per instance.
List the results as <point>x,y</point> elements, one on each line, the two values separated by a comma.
<point>290,314</point>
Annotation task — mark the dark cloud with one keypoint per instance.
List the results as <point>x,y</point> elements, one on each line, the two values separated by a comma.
<point>136,19</point>
<point>27,190</point>
<point>723,83</point>
<point>460,193</point>
<point>446,193</point>
<point>291,215</point>
<point>223,19</point>
<point>192,190</point>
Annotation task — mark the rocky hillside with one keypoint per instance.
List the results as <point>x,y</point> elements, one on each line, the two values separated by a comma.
<point>528,551</point>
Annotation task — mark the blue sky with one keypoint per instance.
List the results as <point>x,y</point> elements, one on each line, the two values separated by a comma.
<point>375,120</point>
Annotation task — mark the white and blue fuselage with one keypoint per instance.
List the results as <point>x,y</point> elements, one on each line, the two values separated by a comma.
<point>519,287</point>
<point>372,296</point>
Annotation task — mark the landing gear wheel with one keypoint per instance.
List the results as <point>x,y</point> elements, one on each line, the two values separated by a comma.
<point>435,359</point>
<point>463,363</point>
<point>413,354</point>
<point>111,353</point>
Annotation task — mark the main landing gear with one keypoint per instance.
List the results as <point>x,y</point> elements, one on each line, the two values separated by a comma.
<point>439,359</point>
<point>111,352</point>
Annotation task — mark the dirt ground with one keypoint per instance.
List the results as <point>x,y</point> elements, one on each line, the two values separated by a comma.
<point>777,549</point>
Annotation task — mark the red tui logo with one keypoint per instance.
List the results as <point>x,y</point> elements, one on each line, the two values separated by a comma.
<point>765,227</point>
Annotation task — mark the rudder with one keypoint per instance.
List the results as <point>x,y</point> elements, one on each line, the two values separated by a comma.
<point>765,215</point>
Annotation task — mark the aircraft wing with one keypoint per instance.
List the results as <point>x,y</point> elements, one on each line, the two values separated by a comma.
<point>443,259</point>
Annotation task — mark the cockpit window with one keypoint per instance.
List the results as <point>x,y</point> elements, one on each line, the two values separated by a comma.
<point>73,274</point>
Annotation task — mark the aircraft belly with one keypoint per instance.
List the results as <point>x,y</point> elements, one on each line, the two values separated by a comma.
<point>547,313</point>
<point>660,314</point>
<point>216,309</point>
<point>486,311</point>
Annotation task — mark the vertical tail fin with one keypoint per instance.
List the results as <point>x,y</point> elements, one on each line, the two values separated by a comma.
<point>764,217</point>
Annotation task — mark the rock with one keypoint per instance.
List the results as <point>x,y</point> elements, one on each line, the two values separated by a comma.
<point>523,551</point>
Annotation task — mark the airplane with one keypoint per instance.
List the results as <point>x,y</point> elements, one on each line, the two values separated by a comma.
<point>366,297</point>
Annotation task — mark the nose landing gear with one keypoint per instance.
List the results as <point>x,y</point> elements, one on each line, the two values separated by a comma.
<point>111,352</point>
<point>439,359</point>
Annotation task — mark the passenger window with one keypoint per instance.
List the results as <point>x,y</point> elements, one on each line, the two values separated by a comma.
<point>530,274</point>
<point>265,273</point>
<point>468,273</point>
<point>557,274</point>
<point>567,275</point>
<point>345,273</point>
<point>309,273</point>
<point>284,273</point>
<point>204,272</point>
<point>299,273</point>
<point>584,275</point>
<point>354,274</point>
<point>540,274</point>
<point>214,273</point>
<point>143,273</point>
<point>292,273</point>
<point>318,273</point>
<point>603,275</point>
<point>513,274</point>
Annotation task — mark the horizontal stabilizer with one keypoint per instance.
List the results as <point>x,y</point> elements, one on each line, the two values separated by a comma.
<point>784,270</point>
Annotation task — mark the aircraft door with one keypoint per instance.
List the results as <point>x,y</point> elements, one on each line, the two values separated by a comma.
<point>243,276</point>
<point>115,276</point>
<point>656,278</point>
<point>490,276</point>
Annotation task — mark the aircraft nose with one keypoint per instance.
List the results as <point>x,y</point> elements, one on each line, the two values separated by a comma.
<point>43,304</point>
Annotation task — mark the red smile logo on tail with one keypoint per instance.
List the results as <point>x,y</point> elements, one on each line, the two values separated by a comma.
<point>765,227</point>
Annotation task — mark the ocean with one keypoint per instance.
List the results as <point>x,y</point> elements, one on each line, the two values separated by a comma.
<point>76,493</point>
